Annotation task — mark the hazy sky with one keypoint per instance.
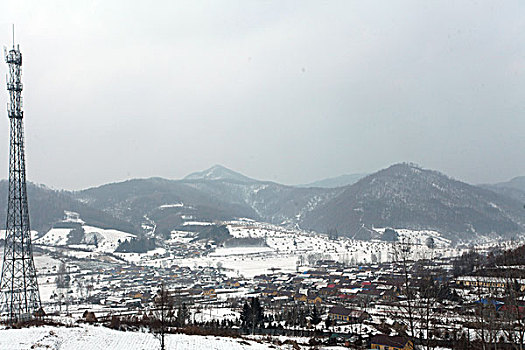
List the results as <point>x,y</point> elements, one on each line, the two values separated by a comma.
<point>289,91</point>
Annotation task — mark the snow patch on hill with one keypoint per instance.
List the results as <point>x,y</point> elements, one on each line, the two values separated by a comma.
<point>107,240</point>
<point>55,236</point>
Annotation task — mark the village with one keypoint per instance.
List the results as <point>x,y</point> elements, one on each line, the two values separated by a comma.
<point>389,304</point>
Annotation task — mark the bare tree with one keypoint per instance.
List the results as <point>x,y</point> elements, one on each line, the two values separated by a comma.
<point>486,315</point>
<point>405,312</point>
<point>513,314</point>
<point>163,306</point>
<point>417,310</point>
<point>426,309</point>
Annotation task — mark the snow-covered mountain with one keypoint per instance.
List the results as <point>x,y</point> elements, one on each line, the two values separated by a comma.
<point>171,203</point>
<point>403,196</point>
<point>407,196</point>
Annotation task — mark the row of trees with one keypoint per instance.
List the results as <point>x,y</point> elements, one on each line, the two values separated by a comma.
<point>299,315</point>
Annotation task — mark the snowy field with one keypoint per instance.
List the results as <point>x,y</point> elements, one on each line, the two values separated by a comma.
<point>235,265</point>
<point>95,338</point>
<point>280,248</point>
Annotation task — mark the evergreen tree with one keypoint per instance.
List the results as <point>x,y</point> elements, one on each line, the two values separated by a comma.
<point>183,315</point>
<point>328,322</point>
<point>316,318</point>
<point>252,314</point>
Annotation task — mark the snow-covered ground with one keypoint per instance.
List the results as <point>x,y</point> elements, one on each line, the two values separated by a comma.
<point>175,205</point>
<point>277,248</point>
<point>197,223</point>
<point>101,338</point>
<point>46,265</point>
<point>303,245</point>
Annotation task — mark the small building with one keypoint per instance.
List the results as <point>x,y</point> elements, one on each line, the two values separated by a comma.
<point>133,303</point>
<point>314,299</point>
<point>385,342</point>
<point>233,284</point>
<point>341,313</point>
<point>209,292</point>
<point>488,282</point>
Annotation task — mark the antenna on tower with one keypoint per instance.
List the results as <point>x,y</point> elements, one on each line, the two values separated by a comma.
<point>13,35</point>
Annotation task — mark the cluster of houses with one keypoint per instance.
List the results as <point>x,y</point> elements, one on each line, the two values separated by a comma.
<point>132,286</point>
<point>331,284</point>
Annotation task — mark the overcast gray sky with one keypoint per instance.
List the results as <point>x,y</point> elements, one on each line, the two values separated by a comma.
<point>289,91</point>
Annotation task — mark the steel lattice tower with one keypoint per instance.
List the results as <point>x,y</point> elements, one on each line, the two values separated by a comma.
<point>19,294</point>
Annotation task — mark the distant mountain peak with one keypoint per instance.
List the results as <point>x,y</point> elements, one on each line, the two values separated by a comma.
<point>219,172</point>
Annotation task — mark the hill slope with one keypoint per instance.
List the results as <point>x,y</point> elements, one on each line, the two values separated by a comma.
<point>406,196</point>
<point>167,202</point>
<point>171,203</point>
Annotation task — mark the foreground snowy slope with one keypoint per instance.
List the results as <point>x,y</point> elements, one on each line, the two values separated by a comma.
<point>95,338</point>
